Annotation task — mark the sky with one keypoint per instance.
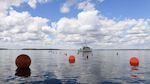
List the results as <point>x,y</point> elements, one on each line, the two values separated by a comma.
<point>104,24</point>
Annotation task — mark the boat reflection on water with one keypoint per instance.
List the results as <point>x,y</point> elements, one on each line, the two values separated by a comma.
<point>23,72</point>
<point>86,54</point>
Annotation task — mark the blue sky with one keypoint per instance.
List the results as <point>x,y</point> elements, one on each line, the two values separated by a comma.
<point>125,8</point>
<point>65,23</point>
<point>50,10</point>
<point>110,8</point>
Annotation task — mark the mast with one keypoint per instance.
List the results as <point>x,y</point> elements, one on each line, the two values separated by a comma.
<point>85,43</point>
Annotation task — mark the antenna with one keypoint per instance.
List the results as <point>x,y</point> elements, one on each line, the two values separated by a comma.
<point>85,43</point>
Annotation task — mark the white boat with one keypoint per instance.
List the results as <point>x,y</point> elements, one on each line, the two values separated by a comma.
<point>85,48</point>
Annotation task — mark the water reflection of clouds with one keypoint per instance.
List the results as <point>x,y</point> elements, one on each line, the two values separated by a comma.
<point>64,70</point>
<point>56,68</point>
<point>85,54</point>
<point>83,71</point>
<point>102,67</point>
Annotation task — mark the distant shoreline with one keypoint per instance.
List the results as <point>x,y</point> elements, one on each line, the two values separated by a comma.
<point>28,49</point>
<point>66,49</point>
<point>40,49</point>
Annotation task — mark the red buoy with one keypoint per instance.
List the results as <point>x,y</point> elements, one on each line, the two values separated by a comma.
<point>23,61</point>
<point>71,59</point>
<point>134,61</point>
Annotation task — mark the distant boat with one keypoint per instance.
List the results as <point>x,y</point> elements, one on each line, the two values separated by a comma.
<point>85,48</point>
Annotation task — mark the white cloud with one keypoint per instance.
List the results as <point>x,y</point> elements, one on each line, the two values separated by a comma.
<point>22,27</point>
<point>65,9</point>
<point>33,3</point>
<point>75,30</point>
<point>81,5</point>
<point>90,24</point>
<point>86,5</point>
<point>5,4</point>
<point>99,31</point>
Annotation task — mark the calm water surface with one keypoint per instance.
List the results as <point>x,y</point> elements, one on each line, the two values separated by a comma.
<point>53,67</point>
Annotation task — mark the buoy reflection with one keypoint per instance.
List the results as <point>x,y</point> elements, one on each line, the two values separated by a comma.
<point>26,72</point>
<point>134,70</point>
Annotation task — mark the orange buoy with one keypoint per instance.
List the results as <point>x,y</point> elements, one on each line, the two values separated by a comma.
<point>23,61</point>
<point>71,59</point>
<point>134,61</point>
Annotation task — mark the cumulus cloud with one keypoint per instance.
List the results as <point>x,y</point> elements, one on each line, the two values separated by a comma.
<point>65,9</point>
<point>82,5</point>
<point>89,24</point>
<point>22,27</point>
<point>86,5</point>
<point>101,31</point>
<point>33,3</point>
<point>5,4</point>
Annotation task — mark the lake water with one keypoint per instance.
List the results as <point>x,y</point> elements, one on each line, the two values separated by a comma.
<point>53,67</point>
